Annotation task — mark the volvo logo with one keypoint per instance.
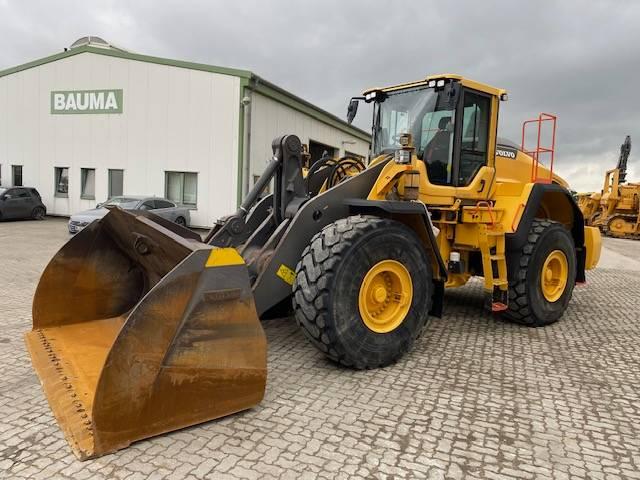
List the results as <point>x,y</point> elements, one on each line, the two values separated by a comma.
<point>506,152</point>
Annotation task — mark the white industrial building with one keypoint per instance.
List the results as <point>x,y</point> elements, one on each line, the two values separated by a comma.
<point>97,121</point>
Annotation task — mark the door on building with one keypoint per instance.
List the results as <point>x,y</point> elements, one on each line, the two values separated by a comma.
<point>116,182</point>
<point>317,150</point>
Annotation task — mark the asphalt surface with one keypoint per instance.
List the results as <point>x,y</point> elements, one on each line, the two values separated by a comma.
<point>476,398</point>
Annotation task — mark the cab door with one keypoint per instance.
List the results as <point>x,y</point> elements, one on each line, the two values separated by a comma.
<point>470,172</point>
<point>473,143</point>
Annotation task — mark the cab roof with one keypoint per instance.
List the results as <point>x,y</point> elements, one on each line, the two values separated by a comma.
<point>482,87</point>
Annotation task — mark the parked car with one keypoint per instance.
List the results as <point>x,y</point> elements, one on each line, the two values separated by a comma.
<point>159,206</point>
<point>21,202</point>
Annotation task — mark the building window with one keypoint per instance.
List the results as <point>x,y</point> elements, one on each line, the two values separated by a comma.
<point>16,173</point>
<point>181,187</point>
<point>116,181</point>
<point>62,182</point>
<point>88,183</point>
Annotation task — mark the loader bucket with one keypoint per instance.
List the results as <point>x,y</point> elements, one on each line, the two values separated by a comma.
<point>139,329</point>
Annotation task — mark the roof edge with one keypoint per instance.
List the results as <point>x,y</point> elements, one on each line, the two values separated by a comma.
<point>127,56</point>
<point>281,95</point>
<point>452,76</point>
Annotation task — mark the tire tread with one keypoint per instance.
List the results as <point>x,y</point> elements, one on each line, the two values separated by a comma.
<point>315,274</point>
<point>519,309</point>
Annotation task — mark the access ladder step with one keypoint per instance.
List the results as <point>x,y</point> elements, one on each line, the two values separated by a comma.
<point>499,307</point>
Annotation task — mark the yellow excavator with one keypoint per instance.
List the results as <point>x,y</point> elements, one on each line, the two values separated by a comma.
<point>140,327</point>
<point>615,210</point>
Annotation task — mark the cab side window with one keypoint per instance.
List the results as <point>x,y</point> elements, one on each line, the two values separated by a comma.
<point>475,135</point>
<point>148,205</point>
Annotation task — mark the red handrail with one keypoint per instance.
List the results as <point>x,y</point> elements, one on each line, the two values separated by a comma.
<point>535,153</point>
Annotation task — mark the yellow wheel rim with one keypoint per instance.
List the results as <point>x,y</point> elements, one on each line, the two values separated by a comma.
<point>385,296</point>
<point>553,278</point>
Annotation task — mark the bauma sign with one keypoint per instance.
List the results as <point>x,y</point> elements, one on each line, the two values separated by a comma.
<point>86,101</point>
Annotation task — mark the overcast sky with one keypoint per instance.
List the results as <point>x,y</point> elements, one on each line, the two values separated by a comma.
<point>577,59</point>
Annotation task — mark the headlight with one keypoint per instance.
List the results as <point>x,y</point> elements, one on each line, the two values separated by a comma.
<point>377,95</point>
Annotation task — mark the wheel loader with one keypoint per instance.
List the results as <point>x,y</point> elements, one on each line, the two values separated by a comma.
<point>615,210</point>
<point>140,327</point>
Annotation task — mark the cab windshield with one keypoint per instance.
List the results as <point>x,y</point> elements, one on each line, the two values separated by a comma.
<point>427,115</point>
<point>421,112</point>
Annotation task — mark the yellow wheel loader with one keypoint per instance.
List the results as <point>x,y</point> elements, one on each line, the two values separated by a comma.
<point>139,327</point>
<point>616,208</point>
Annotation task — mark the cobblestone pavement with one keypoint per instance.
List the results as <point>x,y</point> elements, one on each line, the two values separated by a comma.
<point>476,398</point>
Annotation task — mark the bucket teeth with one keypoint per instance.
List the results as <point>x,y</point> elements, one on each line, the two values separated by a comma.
<point>70,412</point>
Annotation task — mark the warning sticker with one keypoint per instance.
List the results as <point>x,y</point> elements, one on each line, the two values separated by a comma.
<point>286,274</point>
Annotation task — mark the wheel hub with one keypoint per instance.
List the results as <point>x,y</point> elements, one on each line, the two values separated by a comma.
<point>553,279</point>
<point>380,294</point>
<point>385,296</point>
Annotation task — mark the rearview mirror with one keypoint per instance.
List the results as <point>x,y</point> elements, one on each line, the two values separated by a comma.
<point>7,196</point>
<point>352,109</point>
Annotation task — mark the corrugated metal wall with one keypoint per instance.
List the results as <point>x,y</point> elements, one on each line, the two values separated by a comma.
<point>270,119</point>
<point>173,119</point>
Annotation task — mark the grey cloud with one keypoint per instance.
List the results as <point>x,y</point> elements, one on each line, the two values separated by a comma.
<point>578,59</point>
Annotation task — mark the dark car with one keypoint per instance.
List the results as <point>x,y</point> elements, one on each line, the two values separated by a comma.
<point>21,202</point>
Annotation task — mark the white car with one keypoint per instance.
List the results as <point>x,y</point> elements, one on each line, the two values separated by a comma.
<point>159,206</point>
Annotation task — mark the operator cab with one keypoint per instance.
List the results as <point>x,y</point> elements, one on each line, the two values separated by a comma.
<point>450,120</point>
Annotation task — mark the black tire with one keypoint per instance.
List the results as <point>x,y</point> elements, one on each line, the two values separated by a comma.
<point>327,286</point>
<point>181,221</point>
<point>38,213</point>
<point>527,303</point>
